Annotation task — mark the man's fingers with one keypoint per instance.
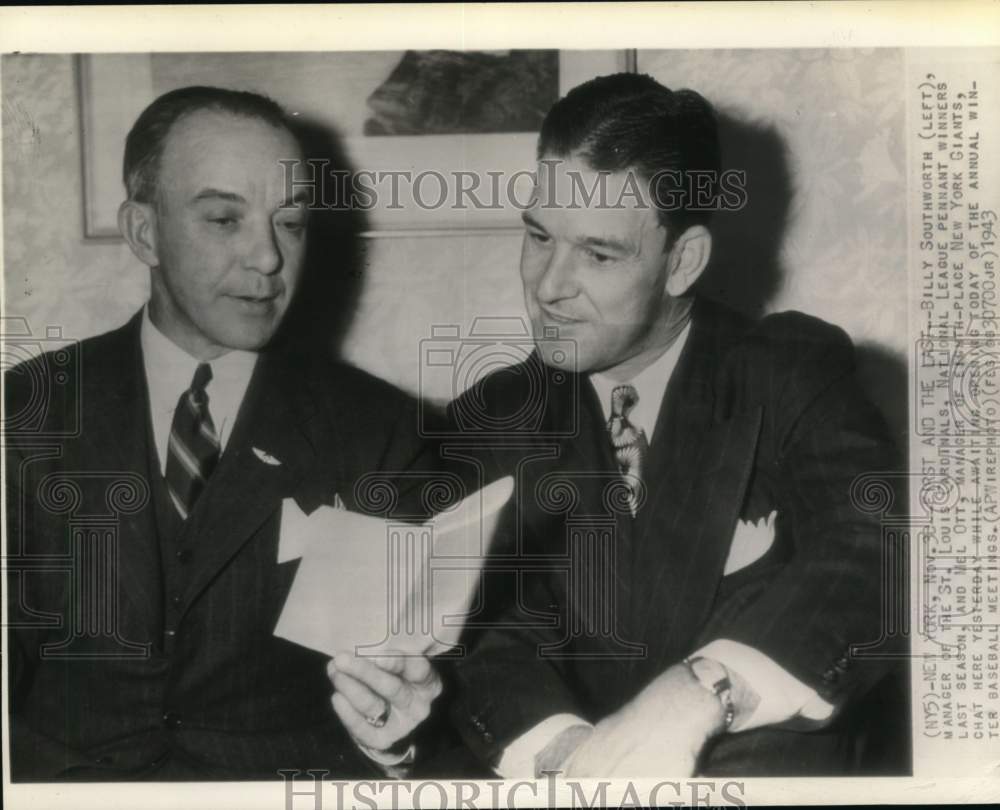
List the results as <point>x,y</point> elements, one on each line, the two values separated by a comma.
<point>396,664</point>
<point>419,671</point>
<point>382,683</point>
<point>356,704</point>
<point>367,703</point>
<point>355,723</point>
<point>416,670</point>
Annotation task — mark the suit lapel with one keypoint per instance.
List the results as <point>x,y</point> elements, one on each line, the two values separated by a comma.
<point>588,447</point>
<point>116,435</point>
<point>267,458</point>
<point>698,468</point>
<point>685,417</point>
<point>587,469</point>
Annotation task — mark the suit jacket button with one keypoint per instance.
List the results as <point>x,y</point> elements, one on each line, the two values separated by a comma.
<point>487,737</point>
<point>175,600</point>
<point>171,720</point>
<point>184,555</point>
<point>829,676</point>
<point>841,664</point>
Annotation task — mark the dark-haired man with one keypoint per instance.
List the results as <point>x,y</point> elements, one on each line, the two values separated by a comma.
<point>142,607</point>
<point>686,573</point>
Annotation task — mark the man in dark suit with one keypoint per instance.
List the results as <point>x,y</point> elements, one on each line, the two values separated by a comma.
<point>146,470</point>
<point>683,575</point>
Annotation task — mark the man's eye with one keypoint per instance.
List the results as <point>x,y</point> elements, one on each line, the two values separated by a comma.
<point>292,225</point>
<point>597,257</point>
<point>222,222</point>
<point>540,238</point>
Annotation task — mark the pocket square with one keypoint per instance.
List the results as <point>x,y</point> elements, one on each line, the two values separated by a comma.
<point>266,457</point>
<point>751,541</point>
<point>293,531</point>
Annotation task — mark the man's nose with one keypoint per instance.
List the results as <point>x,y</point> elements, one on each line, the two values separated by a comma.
<point>264,254</point>
<point>557,279</point>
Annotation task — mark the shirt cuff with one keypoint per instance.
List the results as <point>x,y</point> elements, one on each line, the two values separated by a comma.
<point>782,696</point>
<point>393,764</point>
<point>518,758</point>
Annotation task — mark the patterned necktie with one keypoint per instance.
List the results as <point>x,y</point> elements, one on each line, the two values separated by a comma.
<point>628,441</point>
<point>193,449</point>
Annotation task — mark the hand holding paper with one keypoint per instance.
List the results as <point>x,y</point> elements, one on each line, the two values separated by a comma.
<point>381,700</point>
<point>367,586</point>
<point>381,597</point>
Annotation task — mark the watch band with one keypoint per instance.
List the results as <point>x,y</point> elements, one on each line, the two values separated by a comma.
<point>718,685</point>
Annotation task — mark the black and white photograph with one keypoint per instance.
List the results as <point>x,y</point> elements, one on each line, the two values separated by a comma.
<point>429,415</point>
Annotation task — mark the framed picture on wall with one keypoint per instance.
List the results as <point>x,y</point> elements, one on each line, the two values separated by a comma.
<point>434,115</point>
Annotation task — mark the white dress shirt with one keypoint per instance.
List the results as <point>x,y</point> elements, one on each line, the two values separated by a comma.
<point>169,372</point>
<point>782,696</point>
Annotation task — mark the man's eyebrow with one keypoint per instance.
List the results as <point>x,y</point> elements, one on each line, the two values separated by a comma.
<point>617,245</point>
<point>609,244</point>
<point>299,197</point>
<point>530,221</point>
<point>219,194</point>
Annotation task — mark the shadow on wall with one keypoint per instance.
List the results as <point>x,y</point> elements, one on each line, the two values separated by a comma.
<point>746,272</point>
<point>334,268</point>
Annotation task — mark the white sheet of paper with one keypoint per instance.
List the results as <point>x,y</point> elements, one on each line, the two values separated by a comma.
<point>368,585</point>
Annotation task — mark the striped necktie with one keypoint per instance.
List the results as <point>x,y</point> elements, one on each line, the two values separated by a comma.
<point>629,442</point>
<point>193,449</point>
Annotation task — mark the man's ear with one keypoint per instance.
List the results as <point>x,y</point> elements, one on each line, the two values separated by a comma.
<point>688,259</point>
<point>137,222</point>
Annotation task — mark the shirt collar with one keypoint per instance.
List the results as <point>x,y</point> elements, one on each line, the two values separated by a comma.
<point>650,384</point>
<point>170,369</point>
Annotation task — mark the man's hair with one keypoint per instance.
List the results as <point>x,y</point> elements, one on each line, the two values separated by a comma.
<point>628,121</point>
<point>146,140</point>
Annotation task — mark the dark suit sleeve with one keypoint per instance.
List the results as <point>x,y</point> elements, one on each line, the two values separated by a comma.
<point>502,687</point>
<point>381,444</point>
<point>821,433</point>
<point>31,752</point>
<point>408,449</point>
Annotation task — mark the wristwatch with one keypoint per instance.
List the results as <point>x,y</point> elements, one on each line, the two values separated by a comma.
<point>715,678</point>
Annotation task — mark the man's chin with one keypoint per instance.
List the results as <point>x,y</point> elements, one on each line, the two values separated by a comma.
<point>248,339</point>
<point>557,354</point>
<point>559,346</point>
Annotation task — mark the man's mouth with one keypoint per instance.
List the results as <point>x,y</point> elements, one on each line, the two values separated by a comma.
<point>257,301</point>
<point>559,318</point>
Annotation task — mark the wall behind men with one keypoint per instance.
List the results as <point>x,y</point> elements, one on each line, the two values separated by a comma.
<point>819,133</point>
